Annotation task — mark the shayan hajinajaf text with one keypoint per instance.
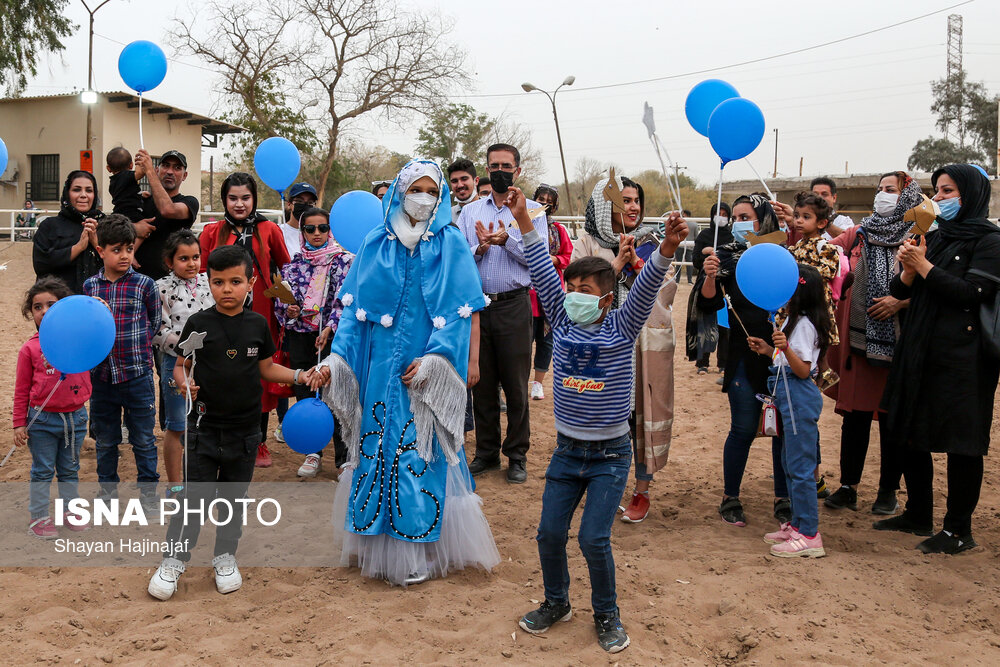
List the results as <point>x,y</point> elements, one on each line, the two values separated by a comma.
<point>122,546</point>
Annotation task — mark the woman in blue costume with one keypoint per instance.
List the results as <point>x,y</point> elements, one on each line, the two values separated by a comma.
<point>405,506</point>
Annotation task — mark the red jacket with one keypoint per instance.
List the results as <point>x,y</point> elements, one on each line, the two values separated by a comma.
<point>35,379</point>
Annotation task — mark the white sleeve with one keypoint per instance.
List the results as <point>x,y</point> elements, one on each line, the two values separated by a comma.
<point>804,341</point>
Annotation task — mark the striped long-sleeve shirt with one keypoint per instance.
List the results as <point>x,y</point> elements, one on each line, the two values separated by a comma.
<point>592,364</point>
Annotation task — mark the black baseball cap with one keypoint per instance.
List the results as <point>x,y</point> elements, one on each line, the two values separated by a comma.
<point>177,155</point>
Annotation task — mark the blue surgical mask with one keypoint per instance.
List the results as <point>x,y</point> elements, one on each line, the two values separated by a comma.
<point>949,208</point>
<point>740,229</point>
<point>583,308</point>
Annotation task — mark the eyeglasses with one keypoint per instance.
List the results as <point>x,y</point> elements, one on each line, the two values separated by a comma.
<point>506,166</point>
<point>311,229</point>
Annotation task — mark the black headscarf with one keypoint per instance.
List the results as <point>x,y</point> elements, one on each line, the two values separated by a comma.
<point>951,239</point>
<point>66,209</point>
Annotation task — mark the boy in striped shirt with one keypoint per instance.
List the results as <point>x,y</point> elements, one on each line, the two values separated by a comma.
<point>592,387</point>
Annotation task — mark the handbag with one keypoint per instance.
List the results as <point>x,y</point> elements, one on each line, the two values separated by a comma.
<point>281,358</point>
<point>989,318</point>
<point>770,424</point>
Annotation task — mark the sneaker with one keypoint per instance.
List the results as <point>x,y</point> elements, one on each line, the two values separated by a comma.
<point>418,577</point>
<point>503,404</point>
<point>163,584</point>
<point>76,523</point>
<point>731,511</point>
<point>799,546</point>
<point>310,466</point>
<point>227,575</point>
<point>538,621</point>
<point>610,633</point>
<point>537,392</point>
<point>278,435</point>
<point>720,381</point>
<point>885,503</point>
<point>783,510</point>
<point>783,534</point>
<point>702,371</point>
<point>637,509</point>
<point>43,528</point>
<point>822,491</point>
<point>947,543</point>
<point>263,457</point>
<point>173,491</point>
<point>843,497</point>
<point>150,503</point>
<point>905,523</point>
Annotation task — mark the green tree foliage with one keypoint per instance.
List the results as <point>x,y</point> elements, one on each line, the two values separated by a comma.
<point>280,121</point>
<point>453,131</point>
<point>28,27</point>
<point>969,111</point>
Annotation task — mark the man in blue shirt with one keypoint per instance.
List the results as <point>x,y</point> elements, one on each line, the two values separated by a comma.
<point>505,324</point>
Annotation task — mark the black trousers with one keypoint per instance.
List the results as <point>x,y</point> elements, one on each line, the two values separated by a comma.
<point>965,479</point>
<point>219,465</point>
<point>855,435</point>
<point>504,360</point>
<point>721,351</point>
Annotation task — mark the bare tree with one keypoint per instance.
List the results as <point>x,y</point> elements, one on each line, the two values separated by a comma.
<point>354,57</point>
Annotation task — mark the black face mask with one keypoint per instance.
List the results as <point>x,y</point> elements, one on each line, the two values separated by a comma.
<point>501,180</point>
<point>299,208</point>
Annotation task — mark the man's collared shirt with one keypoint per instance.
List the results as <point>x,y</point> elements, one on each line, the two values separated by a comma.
<point>502,268</point>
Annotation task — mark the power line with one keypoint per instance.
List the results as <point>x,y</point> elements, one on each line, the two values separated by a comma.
<point>740,64</point>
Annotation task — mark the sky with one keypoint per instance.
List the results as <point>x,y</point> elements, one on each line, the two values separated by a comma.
<point>862,101</point>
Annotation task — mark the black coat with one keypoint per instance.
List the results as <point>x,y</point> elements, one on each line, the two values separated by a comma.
<point>50,254</point>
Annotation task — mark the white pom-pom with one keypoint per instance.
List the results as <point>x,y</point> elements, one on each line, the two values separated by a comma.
<point>438,322</point>
<point>487,299</point>
<point>347,299</point>
<point>386,321</point>
<point>465,311</point>
<point>361,314</point>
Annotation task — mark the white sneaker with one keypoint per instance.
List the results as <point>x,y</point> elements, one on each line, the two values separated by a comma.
<point>311,466</point>
<point>537,392</point>
<point>278,435</point>
<point>163,584</point>
<point>227,575</point>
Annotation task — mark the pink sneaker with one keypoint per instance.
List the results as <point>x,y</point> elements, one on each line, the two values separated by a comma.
<point>75,523</point>
<point>43,528</point>
<point>798,545</point>
<point>781,535</point>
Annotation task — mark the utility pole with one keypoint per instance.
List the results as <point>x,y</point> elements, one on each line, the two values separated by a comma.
<point>90,69</point>
<point>774,174</point>
<point>800,165</point>
<point>568,81</point>
<point>954,77</point>
<point>211,181</point>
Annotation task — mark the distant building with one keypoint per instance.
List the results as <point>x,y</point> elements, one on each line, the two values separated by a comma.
<point>47,135</point>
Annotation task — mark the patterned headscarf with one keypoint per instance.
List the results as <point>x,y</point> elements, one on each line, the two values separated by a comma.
<point>598,219</point>
<point>729,254</point>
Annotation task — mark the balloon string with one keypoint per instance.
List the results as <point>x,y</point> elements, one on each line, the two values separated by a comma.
<point>41,408</point>
<point>718,208</point>
<point>141,145</point>
<point>784,379</point>
<point>769,193</point>
<point>188,404</point>
<point>729,303</point>
<point>677,182</point>
<point>675,199</point>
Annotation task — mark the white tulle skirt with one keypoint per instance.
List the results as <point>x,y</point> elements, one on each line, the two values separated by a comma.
<point>466,539</point>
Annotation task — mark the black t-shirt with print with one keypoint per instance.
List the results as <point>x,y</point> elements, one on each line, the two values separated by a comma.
<point>150,253</point>
<point>226,368</point>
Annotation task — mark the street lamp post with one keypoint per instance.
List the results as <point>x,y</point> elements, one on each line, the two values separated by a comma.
<point>89,97</point>
<point>568,81</point>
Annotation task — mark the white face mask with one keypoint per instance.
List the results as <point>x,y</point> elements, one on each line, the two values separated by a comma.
<point>419,205</point>
<point>721,221</point>
<point>885,203</point>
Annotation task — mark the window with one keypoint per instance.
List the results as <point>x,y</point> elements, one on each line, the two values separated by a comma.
<point>44,183</point>
<point>144,181</point>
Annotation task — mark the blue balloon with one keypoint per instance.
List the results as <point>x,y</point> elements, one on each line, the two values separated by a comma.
<point>981,170</point>
<point>277,162</point>
<point>722,317</point>
<point>703,99</point>
<point>307,426</point>
<point>735,129</point>
<point>142,65</point>
<point>767,275</point>
<point>76,334</point>
<point>353,216</point>
<point>3,156</point>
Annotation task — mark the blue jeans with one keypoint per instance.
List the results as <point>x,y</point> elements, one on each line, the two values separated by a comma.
<point>744,414</point>
<point>642,473</point>
<point>800,452</point>
<point>135,398</point>
<point>54,440</point>
<point>174,404</point>
<point>601,470</point>
<point>543,343</point>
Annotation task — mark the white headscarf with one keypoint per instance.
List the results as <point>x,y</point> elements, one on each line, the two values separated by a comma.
<point>409,234</point>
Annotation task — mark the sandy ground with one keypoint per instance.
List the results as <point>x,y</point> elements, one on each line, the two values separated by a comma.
<point>691,589</point>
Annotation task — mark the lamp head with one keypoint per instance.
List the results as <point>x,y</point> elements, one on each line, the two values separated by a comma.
<point>527,87</point>
<point>568,81</point>
<point>88,97</point>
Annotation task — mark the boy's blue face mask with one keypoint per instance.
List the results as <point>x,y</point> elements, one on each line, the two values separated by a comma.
<point>740,229</point>
<point>949,208</point>
<point>583,308</point>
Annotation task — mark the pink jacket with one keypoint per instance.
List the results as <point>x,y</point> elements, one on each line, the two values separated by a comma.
<point>562,261</point>
<point>35,379</point>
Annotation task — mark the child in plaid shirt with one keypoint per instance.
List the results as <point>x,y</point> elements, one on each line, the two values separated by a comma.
<point>124,383</point>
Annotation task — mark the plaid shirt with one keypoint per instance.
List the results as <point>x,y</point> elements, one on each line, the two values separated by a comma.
<point>135,304</point>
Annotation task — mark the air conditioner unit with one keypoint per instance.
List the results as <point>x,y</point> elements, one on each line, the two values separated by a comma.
<point>10,173</point>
